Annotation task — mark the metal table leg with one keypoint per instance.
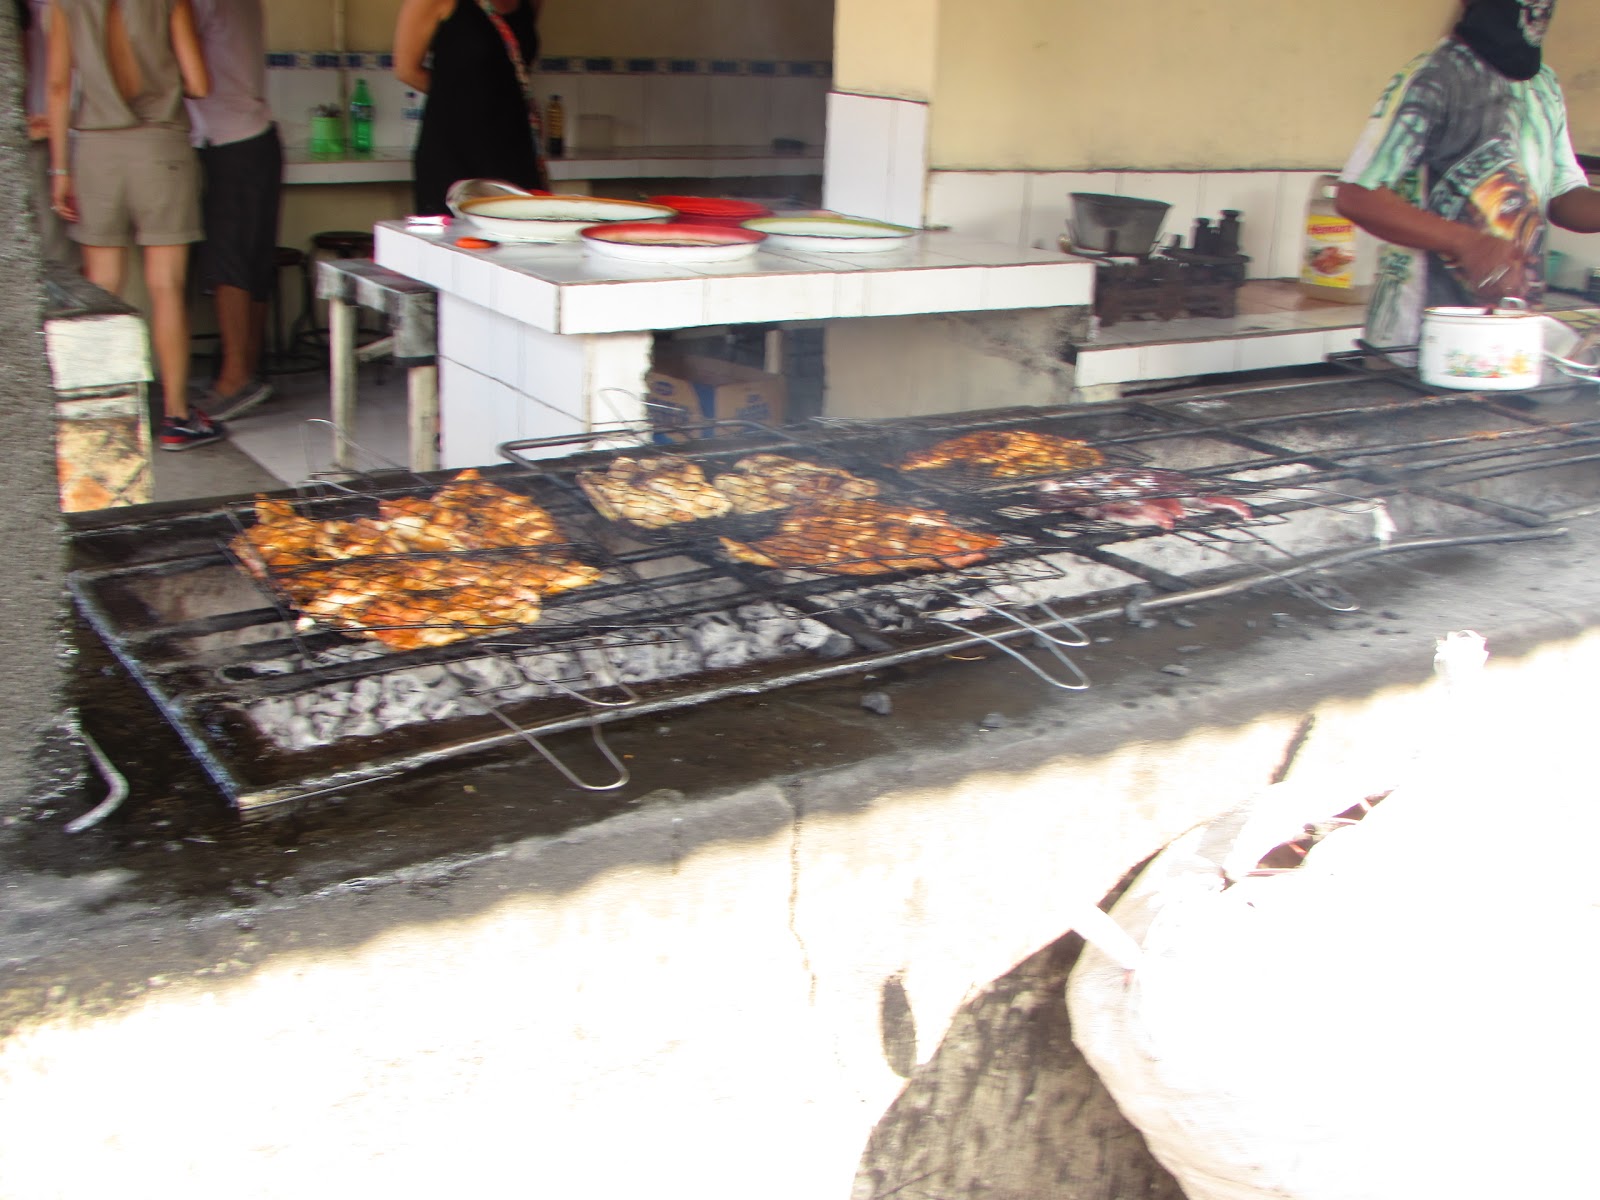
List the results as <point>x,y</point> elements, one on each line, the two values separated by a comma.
<point>342,378</point>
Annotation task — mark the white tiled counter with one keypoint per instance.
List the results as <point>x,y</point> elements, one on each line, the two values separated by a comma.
<point>547,340</point>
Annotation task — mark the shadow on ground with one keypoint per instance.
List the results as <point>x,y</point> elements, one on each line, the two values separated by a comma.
<point>1007,1109</point>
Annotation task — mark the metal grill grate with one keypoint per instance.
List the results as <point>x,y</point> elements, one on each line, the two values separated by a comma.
<point>277,709</point>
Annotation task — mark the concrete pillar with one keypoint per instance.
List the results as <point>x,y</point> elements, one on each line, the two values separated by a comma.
<point>31,607</point>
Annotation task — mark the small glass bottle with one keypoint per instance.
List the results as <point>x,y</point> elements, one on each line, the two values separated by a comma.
<point>361,118</point>
<point>555,129</point>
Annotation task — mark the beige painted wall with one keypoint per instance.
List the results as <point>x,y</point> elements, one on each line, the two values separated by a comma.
<point>887,47</point>
<point>791,29</point>
<point>1075,84</point>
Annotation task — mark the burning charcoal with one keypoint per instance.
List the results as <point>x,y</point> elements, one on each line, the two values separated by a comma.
<point>811,635</point>
<point>992,721</point>
<point>1175,669</point>
<point>878,702</point>
<point>367,694</point>
<point>837,646</point>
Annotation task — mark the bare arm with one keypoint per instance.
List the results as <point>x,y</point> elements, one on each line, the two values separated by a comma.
<point>1577,210</point>
<point>413,33</point>
<point>186,46</point>
<point>58,110</point>
<point>1492,266</point>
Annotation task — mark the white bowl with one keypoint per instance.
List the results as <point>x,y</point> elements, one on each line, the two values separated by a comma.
<point>671,242</point>
<point>551,218</point>
<point>831,235</point>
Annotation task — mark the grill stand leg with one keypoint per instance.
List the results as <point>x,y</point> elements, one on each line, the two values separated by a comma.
<point>422,410</point>
<point>342,378</point>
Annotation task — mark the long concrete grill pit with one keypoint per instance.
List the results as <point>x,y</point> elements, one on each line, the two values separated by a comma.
<point>276,710</point>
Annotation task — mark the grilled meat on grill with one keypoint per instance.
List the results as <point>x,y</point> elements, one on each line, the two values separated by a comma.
<point>653,492</point>
<point>1006,454</point>
<point>865,537</point>
<point>1136,496</point>
<point>766,482</point>
<point>433,600</point>
<point>443,568</point>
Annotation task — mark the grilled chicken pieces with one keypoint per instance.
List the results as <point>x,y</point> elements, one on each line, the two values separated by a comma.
<point>865,537</point>
<point>475,558</point>
<point>1006,454</point>
<point>767,482</point>
<point>653,493</point>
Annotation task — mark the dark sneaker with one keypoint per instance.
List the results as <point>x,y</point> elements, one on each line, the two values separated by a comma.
<point>236,404</point>
<point>196,429</point>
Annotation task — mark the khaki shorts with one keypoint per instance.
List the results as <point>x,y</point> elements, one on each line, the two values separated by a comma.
<point>136,187</point>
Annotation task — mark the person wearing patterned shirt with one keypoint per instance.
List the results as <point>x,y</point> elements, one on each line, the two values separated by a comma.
<point>1464,162</point>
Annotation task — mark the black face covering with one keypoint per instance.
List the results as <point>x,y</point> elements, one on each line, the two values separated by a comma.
<point>1507,34</point>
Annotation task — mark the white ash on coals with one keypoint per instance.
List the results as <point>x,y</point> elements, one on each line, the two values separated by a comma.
<point>330,712</point>
<point>974,594</point>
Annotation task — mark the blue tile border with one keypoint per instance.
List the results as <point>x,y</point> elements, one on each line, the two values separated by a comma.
<point>562,64</point>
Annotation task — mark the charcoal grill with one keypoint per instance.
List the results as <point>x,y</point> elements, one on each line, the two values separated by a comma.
<point>1332,475</point>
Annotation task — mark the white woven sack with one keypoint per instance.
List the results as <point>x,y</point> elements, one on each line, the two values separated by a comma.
<point>1412,1014</point>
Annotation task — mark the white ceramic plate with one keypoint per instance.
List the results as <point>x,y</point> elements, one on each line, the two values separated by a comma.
<point>671,242</point>
<point>831,235</point>
<point>551,218</point>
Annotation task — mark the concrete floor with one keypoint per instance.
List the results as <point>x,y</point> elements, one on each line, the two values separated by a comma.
<point>285,441</point>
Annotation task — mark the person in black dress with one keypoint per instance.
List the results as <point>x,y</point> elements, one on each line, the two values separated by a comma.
<point>481,119</point>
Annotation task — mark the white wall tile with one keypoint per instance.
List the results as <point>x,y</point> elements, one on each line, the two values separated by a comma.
<point>1172,360</point>
<point>396,251</point>
<point>527,299</point>
<point>1048,201</point>
<point>768,298</point>
<point>476,414</point>
<point>622,98</point>
<point>292,93</point>
<point>1255,195</point>
<point>875,162</point>
<point>1337,341</point>
<point>981,204</point>
<point>1096,367</point>
<point>553,370</point>
<point>539,420</point>
<point>480,339</point>
<point>616,364</point>
<point>901,293</point>
<point>740,111</point>
<point>613,308</point>
<point>677,110</point>
<point>1038,287</point>
<point>908,165</point>
<point>799,109</point>
<point>1180,189</point>
<point>1280,350</point>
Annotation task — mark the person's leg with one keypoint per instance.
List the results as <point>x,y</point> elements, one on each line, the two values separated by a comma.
<point>106,267</point>
<point>240,346</point>
<point>165,270</point>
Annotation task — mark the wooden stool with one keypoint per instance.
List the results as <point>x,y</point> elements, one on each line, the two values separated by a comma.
<point>348,284</point>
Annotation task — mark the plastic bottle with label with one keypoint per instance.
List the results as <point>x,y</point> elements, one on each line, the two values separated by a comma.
<point>361,118</point>
<point>1336,258</point>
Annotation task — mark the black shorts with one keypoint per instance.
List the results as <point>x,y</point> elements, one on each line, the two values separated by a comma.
<point>242,181</point>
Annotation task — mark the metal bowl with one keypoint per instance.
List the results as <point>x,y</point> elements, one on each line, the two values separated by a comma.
<point>1115,224</point>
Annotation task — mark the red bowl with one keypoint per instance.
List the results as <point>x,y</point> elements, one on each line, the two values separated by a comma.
<point>712,210</point>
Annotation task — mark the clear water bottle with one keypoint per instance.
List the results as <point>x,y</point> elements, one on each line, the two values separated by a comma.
<point>361,118</point>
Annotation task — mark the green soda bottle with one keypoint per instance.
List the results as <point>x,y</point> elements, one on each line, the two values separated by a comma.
<point>361,118</point>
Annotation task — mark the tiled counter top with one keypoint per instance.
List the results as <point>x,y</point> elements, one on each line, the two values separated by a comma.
<point>561,288</point>
<point>392,164</point>
<point>549,341</point>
